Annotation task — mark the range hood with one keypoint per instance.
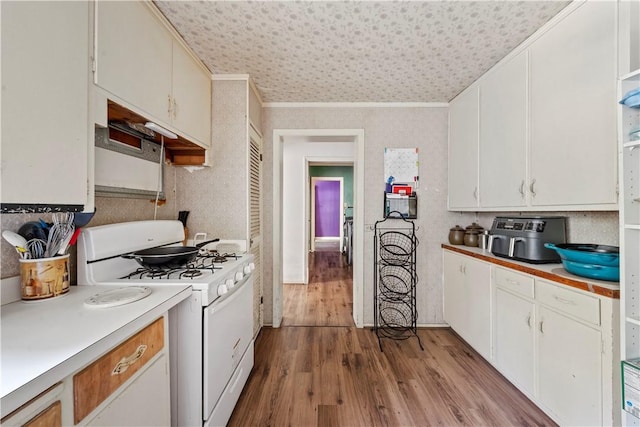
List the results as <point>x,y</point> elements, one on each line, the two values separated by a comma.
<point>179,151</point>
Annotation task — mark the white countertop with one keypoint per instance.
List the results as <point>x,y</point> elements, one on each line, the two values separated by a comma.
<point>43,342</point>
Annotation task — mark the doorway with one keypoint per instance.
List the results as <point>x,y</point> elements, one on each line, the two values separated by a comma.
<point>327,206</point>
<point>280,138</point>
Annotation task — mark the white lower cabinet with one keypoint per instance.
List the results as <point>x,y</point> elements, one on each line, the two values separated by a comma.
<point>555,343</point>
<point>467,300</point>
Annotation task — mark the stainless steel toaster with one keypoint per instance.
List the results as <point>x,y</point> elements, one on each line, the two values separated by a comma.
<point>523,238</point>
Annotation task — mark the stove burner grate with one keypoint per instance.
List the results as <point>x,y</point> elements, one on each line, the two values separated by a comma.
<point>190,273</point>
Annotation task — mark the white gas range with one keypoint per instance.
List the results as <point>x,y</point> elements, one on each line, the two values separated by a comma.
<point>211,333</point>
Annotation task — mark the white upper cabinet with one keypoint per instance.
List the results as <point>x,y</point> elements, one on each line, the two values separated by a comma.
<point>546,126</point>
<point>191,101</point>
<point>573,123</point>
<point>503,135</point>
<point>46,136</point>
<point>143,65</point>
<point>463,150</point>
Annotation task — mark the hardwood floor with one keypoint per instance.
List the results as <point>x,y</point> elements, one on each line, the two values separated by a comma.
<point>328,298</point>
<point>337,376</point>
<point>329,373</point>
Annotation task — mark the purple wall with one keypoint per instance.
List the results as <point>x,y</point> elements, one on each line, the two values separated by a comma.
<point>328,211</point>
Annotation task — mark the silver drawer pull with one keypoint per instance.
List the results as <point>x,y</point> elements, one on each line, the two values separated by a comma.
<point>513,282</point>
<point>125,362</point>
<point>564,300</point>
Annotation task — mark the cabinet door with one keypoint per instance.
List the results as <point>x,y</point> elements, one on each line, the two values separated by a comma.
<point>45,98</point>
<point>569,369</point>
<point>514,339</point>
<point>191,96</point>
<point>573,89</point>
<point>467,300</point>
<point>463,150</point>
<point>503,135</point>
<point>477,275</point>
<point>454,294</point>
<point>133,57</point>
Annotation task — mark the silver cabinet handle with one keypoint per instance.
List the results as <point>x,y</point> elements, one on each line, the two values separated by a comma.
<point>475,193</point>
<point>522,188</point>
<point>529,320</point>
<point>532,187</point>
<point>169,105</point>
<point>513,282</point>
<point>541,327</point>
<point>564,300</point>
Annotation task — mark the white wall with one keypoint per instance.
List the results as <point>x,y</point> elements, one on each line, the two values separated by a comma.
<point>294,155</point>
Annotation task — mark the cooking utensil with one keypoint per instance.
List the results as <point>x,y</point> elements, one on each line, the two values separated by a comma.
<point>67,239</point>
<point>81,219</point>
<point>57,235</point>
<point>36,248</point>
<point>17,241</point>
<point>32,230</point>
<point>182,217</point>
<point>167,255</point>
<point>587,253</point>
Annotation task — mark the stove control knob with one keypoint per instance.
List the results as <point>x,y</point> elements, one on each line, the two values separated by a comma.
<point>238,276</point>
<point>222,289</point>
<point>252,266</point>
<point>247,269</point>
<point>229,283</point>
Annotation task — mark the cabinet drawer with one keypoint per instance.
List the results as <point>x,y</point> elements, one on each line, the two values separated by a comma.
<point>515,282</point>
<point>96,382</point>
<point>581,306</point>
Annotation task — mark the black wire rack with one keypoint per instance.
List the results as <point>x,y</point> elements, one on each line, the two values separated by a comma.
<point>395,280</point>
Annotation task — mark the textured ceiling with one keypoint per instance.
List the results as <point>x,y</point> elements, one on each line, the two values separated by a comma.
<point>327,51</point>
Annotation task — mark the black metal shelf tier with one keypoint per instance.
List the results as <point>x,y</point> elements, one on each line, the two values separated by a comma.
<point>395,280</point>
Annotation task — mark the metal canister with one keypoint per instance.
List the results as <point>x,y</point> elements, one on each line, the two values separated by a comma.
<point>483,239</point>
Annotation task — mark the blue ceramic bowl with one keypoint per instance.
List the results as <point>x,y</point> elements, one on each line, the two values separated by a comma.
<point>592,271</point>
<point>586,253</point>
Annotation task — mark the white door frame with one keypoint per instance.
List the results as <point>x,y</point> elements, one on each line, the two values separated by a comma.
<point>358,216</point>
<point>311,219</point>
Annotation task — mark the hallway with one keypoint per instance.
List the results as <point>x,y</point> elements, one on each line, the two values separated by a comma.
<point>328,298</point>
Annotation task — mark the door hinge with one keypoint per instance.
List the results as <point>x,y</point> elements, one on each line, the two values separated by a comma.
<point>261,300</point>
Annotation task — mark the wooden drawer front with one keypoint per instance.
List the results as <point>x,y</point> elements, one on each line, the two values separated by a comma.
<point>581,306</point>
<point>515,282</point>
<point>96,382</point>
<point>50,417</point>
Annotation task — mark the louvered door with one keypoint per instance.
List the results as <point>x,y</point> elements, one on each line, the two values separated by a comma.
<point>255,220</point>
